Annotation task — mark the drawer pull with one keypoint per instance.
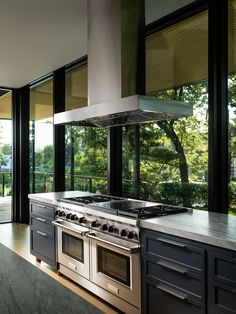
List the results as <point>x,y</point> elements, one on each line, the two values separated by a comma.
<point>39,205</point>
<point>182,245</point>
<point>41,219</point>
<point>42,234</point>
<point>172,267</point>
<point>172,292</point>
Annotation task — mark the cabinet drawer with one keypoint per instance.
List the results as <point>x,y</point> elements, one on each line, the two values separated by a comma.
<point>42,224</point>
<point>163,299</point>
<point>43,243</point>
<point>224,267</point>
<point>222,299</point>
<point>42,210</point>
<point>177,275</point>
<point>174,249</point>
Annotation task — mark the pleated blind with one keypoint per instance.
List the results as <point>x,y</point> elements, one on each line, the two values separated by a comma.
<point>232,36</point>
<point>41,101</point>
<point>6,106</point>
<point>177,55</point>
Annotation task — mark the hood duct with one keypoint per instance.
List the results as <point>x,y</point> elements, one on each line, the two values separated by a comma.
<point>116,70</point>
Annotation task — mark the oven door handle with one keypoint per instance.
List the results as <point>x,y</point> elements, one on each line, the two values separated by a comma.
<point>130,250</point>
<point>57,223</point>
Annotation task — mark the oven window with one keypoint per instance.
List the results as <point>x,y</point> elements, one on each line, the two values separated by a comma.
<point>73,247</point>
<point>114,265</point>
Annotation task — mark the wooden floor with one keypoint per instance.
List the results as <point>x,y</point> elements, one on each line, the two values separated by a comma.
<point>16,237</point>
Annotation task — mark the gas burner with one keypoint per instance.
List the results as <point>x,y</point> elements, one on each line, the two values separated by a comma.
<point>98,198</point>
<point>152,211</point>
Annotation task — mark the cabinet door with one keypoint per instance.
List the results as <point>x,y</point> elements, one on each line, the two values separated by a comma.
<point>222,281</point>
<point>163,299</point>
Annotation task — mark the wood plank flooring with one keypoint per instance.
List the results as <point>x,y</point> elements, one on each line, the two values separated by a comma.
<point>17,238</point>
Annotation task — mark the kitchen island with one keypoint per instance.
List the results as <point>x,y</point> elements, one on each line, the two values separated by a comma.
<point>188,259</point>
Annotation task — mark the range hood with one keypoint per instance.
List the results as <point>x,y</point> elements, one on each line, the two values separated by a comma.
<point>128,110</point>
<point>116,70</point>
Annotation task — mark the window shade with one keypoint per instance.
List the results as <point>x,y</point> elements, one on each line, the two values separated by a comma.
<point>177,55</point>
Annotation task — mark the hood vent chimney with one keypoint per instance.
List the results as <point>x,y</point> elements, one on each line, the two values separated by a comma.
<point>116,70</point>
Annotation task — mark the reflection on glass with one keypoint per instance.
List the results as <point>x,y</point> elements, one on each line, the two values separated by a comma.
<point>76,87</point>
<point>172,164</point>
<point>5,155</point>
<point>114,265</point>
<point>41,137</point>
<point>73,247</point>
<point>231,104</point>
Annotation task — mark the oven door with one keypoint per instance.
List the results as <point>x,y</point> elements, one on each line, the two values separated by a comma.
<point>73,247</point>
<point>115,266</point>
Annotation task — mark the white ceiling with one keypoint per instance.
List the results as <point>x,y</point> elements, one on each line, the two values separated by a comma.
<point>38,37</point>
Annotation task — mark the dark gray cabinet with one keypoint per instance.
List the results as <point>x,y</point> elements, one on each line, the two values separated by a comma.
<point>173,275</point>
<point>42,233</point>
<point>222,281</point>
<point>184,276</point>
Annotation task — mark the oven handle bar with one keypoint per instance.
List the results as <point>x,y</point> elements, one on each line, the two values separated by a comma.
<point>130,250</point>
<point>58,224</point>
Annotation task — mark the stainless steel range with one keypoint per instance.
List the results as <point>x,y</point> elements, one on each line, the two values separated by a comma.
<point>99,243</point>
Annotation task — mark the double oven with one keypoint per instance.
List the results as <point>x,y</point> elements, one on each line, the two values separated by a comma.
<point>111,264</point>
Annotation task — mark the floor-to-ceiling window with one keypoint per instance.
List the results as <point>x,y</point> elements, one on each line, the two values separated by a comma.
<point>41,137</point>
<point>232,104</point>
<point>172,155</point>
<point>86,148</point>
<point>5,155</point>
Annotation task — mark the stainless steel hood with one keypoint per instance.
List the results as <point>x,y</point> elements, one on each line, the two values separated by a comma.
<point>128,110</point>
<point>116,70</point>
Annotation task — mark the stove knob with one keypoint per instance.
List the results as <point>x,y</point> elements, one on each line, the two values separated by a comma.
<point>74,217</point>
<point>105,227</point>
<point>131,235</point>
<point>57,212</point>
<point>123,233</point>
<point>61,213</point>
<point>82,220</point>
<point>111,229</point>
<point>68,216</point>
<point>95,223</point>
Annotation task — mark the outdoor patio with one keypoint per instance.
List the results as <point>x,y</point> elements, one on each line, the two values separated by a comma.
<point>5,209</point>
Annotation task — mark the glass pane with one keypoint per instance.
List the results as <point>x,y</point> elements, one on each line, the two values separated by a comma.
<point>167,161</point>
<point>86,159</point>
<point>114,265</point>
<point>5,155</point>
<point>73,247</point>
<point>76,88</point>
<point>41,137</point>
<point>86,148</point>
<point>232,104</point>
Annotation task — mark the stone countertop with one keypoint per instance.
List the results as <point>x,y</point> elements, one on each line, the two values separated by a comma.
<point>203,226</point>
<point>54,197</point>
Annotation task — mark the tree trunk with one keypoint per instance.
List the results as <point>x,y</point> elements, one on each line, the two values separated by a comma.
<point>168,128</point>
